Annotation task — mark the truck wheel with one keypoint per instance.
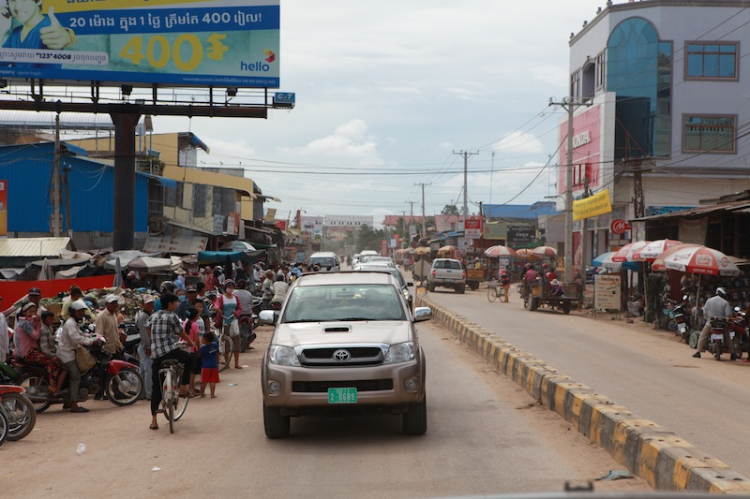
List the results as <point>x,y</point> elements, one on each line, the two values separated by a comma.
<point>431,287</point>
<point>474,286</point>
<point>534,304</point>
<point>415,419</point>
<point>461,289</point>
<point>566,307</point>
<point>275,424</point>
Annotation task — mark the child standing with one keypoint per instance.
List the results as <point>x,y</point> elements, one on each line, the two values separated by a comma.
<point>193,331</point>
<point>210,361</point>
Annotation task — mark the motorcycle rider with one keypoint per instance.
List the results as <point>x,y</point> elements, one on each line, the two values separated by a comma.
<point>716,307</point>
<point>70,339</point>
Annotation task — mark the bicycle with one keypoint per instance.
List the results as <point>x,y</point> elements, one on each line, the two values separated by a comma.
<point>494,291</point>
<point>173,405</point>
<point>226,348</point>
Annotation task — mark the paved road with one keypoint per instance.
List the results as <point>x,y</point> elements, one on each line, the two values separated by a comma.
<point>484,436</point>
<point>650,372</point>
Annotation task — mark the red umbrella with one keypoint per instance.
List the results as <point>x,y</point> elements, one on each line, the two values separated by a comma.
<point>653,250</point>
<point>625,254</point>
<point>698,260</point>
<point>499,251</point>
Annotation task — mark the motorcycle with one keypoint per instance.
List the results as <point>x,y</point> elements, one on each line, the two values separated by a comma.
<point>737,326</point>
<point>18,410</point>
<point>247,326</point>
<point>681,319</point>
<point>130,339</point>
<point>120,379</point>
<point>716,339</point>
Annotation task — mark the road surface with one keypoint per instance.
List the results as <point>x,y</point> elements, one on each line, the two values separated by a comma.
<point>649,372</point>
<point>485,436</point>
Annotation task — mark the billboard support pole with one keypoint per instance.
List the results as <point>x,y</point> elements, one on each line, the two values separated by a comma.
<point>124,198</point>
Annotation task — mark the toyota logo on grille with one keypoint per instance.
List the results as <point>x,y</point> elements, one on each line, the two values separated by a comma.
<point>341,355</point>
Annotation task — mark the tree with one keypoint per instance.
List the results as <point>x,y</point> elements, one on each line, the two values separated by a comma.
<point>449,209</point>
<point>369,238</point>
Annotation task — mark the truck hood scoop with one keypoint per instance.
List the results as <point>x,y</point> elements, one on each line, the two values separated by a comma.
<point>337,329</point>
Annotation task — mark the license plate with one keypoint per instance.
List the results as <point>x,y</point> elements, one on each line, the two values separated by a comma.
<point>342,395</point>
<point>717,337</point>
<point>682,328</point>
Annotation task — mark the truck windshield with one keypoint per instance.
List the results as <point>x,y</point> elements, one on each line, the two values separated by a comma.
<point>371,302</point>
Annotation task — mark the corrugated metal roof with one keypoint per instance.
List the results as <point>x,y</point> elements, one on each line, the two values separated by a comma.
<point>35,246</point>
<point>698,212</point>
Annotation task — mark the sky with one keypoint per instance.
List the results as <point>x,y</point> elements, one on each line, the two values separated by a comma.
<point>387,91</point>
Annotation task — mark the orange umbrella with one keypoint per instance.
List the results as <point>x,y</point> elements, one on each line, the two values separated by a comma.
<point>525,254</point>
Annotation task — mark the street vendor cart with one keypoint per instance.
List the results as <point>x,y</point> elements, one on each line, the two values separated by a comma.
<point>540,297</point>
<point>474,277</point>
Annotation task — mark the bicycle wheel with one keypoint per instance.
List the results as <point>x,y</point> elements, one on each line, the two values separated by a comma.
<point>180,406</point>
<point>491,294</point>
<point>226,350</point>
<point>167,400</point>
<point>3,427</point>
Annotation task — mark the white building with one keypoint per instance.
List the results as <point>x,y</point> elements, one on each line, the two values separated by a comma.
<point>668,102</point>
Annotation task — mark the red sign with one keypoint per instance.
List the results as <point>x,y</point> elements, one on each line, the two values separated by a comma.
<point>473,227</point>
<point>281,224</point>
<point>619,226</point>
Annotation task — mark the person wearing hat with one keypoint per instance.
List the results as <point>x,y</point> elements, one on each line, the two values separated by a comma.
<point>34,295</point>
<point>179,280</point>
<point>132,280</point>
<point>71,339</point>
<point>107,325</point>
<point>144,347</point>
<point>556,288</point>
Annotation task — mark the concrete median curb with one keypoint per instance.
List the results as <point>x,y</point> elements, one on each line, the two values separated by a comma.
<point>646,449</point>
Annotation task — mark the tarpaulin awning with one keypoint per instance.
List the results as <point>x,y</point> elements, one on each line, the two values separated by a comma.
<point>125,256</point>
<point>176,243</point>
<point>69,273</point>
<point>151,264</point>
<point>249,257</point>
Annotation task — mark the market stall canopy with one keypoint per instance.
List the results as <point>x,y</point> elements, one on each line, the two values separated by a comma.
<point>69,273</point>
<point>499,251</point>
<point>148,264</point>
<point>699,260</point>
<point>605,260</point>
<point>78,256</point>
<point>126,256</point>
<point>422,250</point>
<point>411,251</point>
<point>447,249</point>
<point>526,254</point>
<point>220,257</point>
<point>653,250</point>
<point>625,254</point>
<point>237,246</point>
<point>20,251</point>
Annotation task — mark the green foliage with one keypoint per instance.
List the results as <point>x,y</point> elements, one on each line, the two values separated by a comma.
<point>369,238</point>
<point>449,209</point>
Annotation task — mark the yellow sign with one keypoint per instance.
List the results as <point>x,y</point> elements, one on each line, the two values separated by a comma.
<point>593,206</point>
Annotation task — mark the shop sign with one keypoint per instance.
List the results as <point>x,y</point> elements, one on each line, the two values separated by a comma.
<point>619,226</point>
<point>593,206</point>
<point>607,292</point>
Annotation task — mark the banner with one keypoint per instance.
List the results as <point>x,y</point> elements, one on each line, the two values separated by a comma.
<point>607,292</point>
<point>12,291</point>
<point>231,43</point>
<point>593,206</point>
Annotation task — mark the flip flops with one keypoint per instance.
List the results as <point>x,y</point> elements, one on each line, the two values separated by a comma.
<point>153,427</point>
<point>79,409</point>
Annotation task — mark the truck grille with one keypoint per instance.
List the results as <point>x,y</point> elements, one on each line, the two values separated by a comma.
<point>365,385</point>
<point>341,356</point>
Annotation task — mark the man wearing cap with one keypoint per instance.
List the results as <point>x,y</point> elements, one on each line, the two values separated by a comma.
<point>192,295</point>
<point>107,326</point>
<point>144,348</point>
<point>34,296</point>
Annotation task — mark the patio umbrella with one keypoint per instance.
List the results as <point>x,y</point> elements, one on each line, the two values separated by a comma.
<point>499,251</point>
<point>700,260</point>
<point>526,254</point>
<point>447,248</point>
<point>150,264</point>
<point>237,246</point>
<point>625,254</point>
<point>605,260</point>
<point>652,250</point>
<point>658,264</point>
<point>545,251</point>
<point>422,250</point>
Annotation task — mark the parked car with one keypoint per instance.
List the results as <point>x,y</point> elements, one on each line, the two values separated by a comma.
<point>344,343</point>
<point>448,273</point>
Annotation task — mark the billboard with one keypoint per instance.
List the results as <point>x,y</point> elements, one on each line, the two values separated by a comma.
<point>197,43</point>
<point>3,207</point>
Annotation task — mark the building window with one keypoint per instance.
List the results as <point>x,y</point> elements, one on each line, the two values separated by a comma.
<point>575,85</point>
<point>709,134</point>
<point>200,196</point>
<point>712,60</point>
<point>600,70</point>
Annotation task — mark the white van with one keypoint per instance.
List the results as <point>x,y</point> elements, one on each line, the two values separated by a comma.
<point>366,254</point>
<point>328,261</point>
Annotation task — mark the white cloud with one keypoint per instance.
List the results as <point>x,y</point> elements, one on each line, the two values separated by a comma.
<point>520,143</point>
<point>349,142</point>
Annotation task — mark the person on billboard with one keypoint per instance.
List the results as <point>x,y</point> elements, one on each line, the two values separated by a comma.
<point>35,30</point>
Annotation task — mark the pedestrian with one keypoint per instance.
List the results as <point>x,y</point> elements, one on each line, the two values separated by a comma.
<point>107,325</point>
<point>210,364</point>
<point>71,339</point>
<point>75,294</point>
<point>144,348</point>
<point>190,296</point>
<point>192,329</point>
<point>164,328</point>
<point>230,309</point>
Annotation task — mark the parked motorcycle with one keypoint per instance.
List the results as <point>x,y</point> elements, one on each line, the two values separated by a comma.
<point>716,344</point>
<point>130,339</point>
<point>122,383</point>
<point>18,410</point>
<point>737,326</point>
<point>681,319</point>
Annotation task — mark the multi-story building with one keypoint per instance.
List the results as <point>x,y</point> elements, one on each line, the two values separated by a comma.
<point>667,114</point>
<point>335,227</point>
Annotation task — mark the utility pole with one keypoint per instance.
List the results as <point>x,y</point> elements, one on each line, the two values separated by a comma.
<point>56,197</point>
<point>492,171</point>
<point>570,105</point>
<point>584,231</point>
<point>466,155</point>
<point>424,222</point>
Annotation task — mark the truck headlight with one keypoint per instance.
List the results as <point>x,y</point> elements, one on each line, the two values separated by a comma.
<point>402,352</point>
<point>283,356</point>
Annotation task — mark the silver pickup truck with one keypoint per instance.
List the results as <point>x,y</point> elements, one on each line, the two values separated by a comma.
<point>448,273</point>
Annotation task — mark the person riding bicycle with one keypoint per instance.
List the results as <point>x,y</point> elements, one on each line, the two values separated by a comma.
<point>505,283</point>
<point>164,327</point>
<point>716,307</point>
